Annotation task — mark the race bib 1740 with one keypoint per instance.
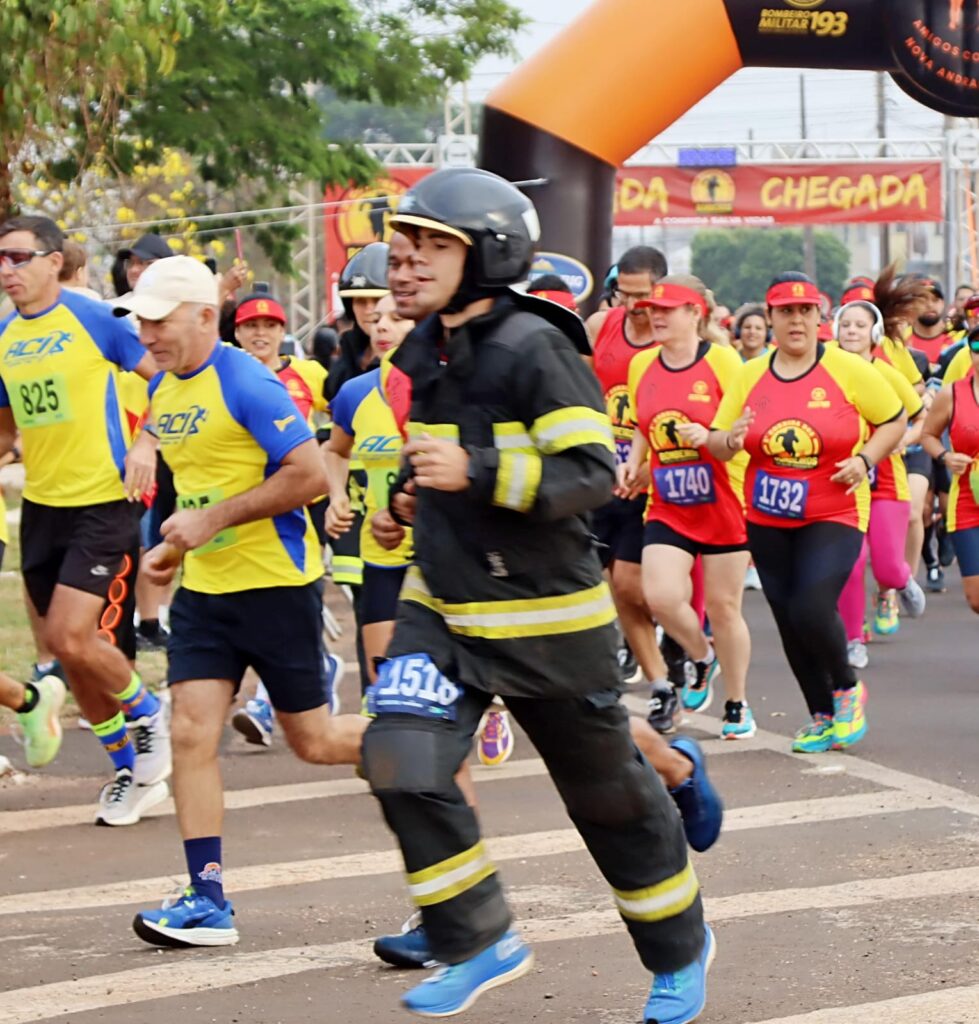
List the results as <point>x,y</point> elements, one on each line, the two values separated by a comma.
<point>685,485</point>
<point>412,685</point>
<point>41,403</point>
<point>779,496</point>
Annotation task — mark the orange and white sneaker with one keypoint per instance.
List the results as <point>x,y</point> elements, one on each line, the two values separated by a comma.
<point>495,739</point>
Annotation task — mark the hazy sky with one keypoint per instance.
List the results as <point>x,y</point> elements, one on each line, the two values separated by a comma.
<point>841,104</point>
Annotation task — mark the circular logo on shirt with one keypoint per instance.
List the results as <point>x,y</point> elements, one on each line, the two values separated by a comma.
<point>665,437</point>
<point>617,405</point>
<point>792,444</point>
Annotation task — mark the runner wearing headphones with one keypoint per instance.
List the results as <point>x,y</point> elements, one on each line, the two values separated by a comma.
<point>956,410</point>
<point>802,414</point>
<point>695,502</point>
<point>859,327</point>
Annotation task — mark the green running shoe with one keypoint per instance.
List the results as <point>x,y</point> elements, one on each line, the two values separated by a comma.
<point>815,737</point>
<point>41,726</point>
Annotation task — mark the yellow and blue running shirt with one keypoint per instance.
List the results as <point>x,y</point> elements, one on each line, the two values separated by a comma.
<point>59,373</point>
<point>361,410</point>
<point>223,430</point>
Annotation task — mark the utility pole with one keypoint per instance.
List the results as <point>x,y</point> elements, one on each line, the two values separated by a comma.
<point>808,238</point>
<point>885,229</point>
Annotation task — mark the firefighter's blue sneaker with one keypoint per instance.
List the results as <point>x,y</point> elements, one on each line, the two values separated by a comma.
<point>700,804</point>
<point>255,721</point>
<point>188,920</point>
<point>680,997</point>
<point>454,988</point>
<point>409,949</point>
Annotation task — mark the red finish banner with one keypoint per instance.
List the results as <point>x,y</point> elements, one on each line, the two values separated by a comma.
<point>760,195</point>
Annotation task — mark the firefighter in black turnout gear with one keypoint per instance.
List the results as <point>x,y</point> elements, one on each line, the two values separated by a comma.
<point>509,450</point>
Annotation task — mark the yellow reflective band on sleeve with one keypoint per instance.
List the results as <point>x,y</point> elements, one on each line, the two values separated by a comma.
<point>512,437</point>
<point>445,431</point>
<point>348,569</point>
<point>576,425</point>
<point>451,877</point>
<point>512,620</point>
<point>517,480</point>
<point>658,902</point>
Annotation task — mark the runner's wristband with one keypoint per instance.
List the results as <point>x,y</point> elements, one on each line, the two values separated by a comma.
<point>942,457</point>
<point>866,461</point>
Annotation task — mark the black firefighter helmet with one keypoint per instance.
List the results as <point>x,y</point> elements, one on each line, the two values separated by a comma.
<point>365,275</point>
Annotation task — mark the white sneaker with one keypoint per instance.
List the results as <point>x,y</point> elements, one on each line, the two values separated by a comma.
<point>912,599</point>
<point>151,738</point>
<point>123,801</point>
<point>752,581</point>
<point>335,667</point>
<point>856,654</point>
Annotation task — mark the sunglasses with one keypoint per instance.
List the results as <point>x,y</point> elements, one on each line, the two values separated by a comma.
<point>974,345</point>
<point>21,257</point>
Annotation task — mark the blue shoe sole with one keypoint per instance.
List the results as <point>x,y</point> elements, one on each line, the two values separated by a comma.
<point>517,971</point>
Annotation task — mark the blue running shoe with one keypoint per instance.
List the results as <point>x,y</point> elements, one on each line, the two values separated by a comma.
<point>739,722</point>
<point>255,721</point>
<point>335,666</point>
<point>680,997</point>
<point>699,692</point>
<point>699,803</point>
<point>409,949</point>
<point>454,988</point>
<point>188,920</point>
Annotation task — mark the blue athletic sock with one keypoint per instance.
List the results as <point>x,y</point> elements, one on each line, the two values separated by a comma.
<point>113,736</point>
<point>137,702</point>
<point>204,864</point>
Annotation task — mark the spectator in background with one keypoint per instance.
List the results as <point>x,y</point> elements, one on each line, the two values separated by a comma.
<point>74,271</point>
<point>555,288</point>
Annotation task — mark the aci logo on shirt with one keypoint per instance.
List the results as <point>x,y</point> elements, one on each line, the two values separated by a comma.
<point>31,349</point>
<point>175,426</point>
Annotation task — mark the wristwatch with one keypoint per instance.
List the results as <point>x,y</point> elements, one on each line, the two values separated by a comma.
<point>941,458</point>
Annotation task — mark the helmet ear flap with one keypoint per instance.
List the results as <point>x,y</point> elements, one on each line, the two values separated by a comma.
<point>502,258</point>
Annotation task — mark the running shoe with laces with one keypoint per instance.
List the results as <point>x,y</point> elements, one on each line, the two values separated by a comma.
<point>455,987</point>
<point>886,621</point>
<point>335,668</point>
<point>151,738</point>
<point>662,709</point>
<point>856,654</point>
<point>41,726</point>
<point>849,716</point>
<point>912,599</point>
<point>739,722</point>
<point>255,721</point>
<point>679,997</point>
<point>187,920</point>
<point>815,737</point>
<point>935,580</point>
<point>123,802</point>
<point>410,949</point>
<point>699,804</point>
<point>495,739</point>
<point>698,693</point>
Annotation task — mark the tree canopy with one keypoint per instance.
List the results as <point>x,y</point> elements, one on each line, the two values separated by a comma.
<point>739,263</point>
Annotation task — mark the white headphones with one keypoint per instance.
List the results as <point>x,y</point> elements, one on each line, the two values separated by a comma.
<point>876,332</point>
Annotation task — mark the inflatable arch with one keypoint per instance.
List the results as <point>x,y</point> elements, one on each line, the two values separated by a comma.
<point>626,69</point>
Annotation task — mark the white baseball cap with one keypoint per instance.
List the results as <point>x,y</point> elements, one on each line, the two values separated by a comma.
<point>166,284</point>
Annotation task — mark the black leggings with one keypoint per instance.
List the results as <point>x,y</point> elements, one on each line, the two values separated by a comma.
<point>803,572</point>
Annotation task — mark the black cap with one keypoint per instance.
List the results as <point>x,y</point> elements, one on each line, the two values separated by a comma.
<point>149,247</point>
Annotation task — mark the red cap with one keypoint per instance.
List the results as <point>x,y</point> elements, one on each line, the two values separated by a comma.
<point>825,332</point>
<point>565,299</point>
<point>671,296</point>
<point>857,293</point>
<point>971,303</point>
<point>793,293</point>
<point>252,309</point>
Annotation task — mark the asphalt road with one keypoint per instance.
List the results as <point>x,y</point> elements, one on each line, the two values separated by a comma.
<point>845,889</point>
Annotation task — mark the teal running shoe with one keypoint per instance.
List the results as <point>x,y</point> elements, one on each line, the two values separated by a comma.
<point>815,737</point>
<point>679,997</point>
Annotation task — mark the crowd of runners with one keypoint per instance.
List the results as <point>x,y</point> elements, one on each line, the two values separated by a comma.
<point>527,511</point>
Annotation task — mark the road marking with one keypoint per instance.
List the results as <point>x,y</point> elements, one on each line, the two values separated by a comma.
<point>381,862</point>
<point>946,1006</point>
<point>188,973</point>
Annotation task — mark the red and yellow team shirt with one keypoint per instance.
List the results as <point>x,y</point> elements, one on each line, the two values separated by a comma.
<point>612,355</point>
<point>960,367</point>
<point>889,478</point>
<point>895,353</point>
<point>305,380</point>
<point>223,430</point>
<point>59,374</point>
<point>697,495</point>
<point>963,431</point>
<point>801,430</point>
<point>934,347</point>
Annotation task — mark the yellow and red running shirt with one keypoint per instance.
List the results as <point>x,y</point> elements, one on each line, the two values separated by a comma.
<point>223,430</point>
<point>697,495</point>
<point>889,478</point>
<point>963,432</point>
<point>801,430</point>
<point>59,373</point>
<point>361,410</point>
<point>305,380</point>
<point>897,354</point>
